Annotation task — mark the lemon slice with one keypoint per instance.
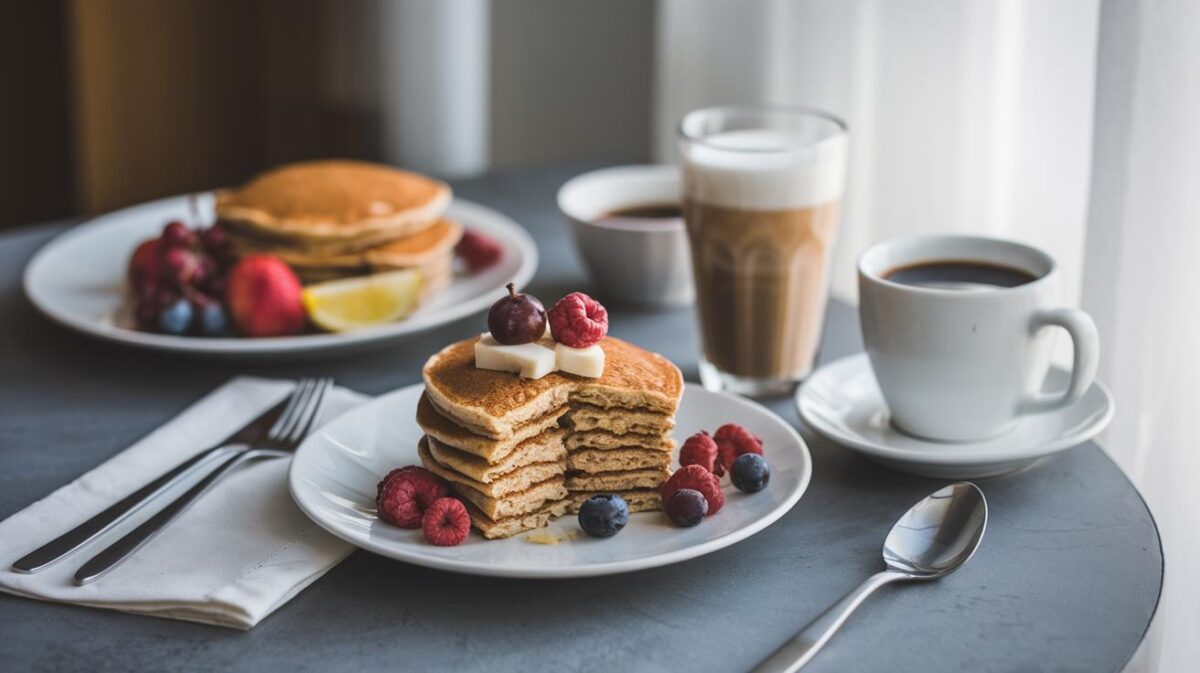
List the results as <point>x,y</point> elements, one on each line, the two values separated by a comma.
<point>364,301</point>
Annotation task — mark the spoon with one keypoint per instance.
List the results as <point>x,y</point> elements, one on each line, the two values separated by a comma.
<point>931,540</point>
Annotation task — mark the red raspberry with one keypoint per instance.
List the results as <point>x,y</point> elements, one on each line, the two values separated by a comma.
<point>446,522</point>
<point>578,321</point>
<point>405,493</point>
<point>732,441</point>
<point>478,251</point>
<point>697,478</point>
<point>397,504</point>
<point>700,449</point>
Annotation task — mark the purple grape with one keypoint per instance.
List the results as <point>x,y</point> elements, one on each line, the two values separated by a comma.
<point>517,318</point>
<point>177,235</point>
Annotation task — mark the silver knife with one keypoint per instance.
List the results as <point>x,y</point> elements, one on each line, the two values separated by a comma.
<point>68,542</point>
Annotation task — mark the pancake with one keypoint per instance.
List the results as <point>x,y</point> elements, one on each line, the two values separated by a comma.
<point>610,481</point>
<point>516,481</point>
<point>494,403</point>
<point>599,439</point>
<point>543,448</point>
<point>334,200</point>
<point>433,244</point>
<point>510,526</point>
<point>639,500</point>
<point>514,504</point>
<point>446,431</point>
<point>614,460</point>
<point>619,421</point>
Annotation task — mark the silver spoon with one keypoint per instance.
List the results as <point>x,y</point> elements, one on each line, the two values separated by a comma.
<point>930,541</point>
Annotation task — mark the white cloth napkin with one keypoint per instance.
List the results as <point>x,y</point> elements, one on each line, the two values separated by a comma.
<point>241,551</point>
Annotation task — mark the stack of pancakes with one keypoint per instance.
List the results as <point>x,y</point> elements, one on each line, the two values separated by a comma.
<point>333,219</point>
<point>520,452</point>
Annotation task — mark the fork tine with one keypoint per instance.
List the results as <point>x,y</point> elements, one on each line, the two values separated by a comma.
<point>289,412</point>
<point>313,411</point>
<point>298,414</point>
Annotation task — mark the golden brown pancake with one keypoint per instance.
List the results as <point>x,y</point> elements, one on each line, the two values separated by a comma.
<point>494,403</point>
<point>521,451</point>
<point>334,200</point>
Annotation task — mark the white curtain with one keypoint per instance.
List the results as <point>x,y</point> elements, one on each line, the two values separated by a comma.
<point>1073,125</point>
<point>1142,286</point>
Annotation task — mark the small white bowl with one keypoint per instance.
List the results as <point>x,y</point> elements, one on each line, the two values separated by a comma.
<point>644,262</point>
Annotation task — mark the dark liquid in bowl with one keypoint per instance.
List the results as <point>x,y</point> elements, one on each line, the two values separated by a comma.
<point>652,211</point>
<point>959,275</point>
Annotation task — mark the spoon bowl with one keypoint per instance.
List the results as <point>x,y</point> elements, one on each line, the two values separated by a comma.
<point>938,534</point>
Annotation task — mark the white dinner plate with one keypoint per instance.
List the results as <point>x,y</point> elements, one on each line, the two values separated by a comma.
<point>334,474</point>
<point>78,279</point>
<point>842,402</point>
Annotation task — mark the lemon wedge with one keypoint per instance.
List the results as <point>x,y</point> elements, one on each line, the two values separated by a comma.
<point>363,301</point>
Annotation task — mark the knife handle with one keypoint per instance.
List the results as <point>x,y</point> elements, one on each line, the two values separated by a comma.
<point>68,542</point>
<point>112,556</point>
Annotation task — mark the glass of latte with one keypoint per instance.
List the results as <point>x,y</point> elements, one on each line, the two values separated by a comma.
<point>761,193</point>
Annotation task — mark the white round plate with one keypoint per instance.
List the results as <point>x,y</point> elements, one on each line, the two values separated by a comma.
<point>78,279</point>
<point>334,474</point>
<point>842,402</point>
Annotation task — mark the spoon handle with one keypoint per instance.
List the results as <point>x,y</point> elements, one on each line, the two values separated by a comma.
<point>797,652</point>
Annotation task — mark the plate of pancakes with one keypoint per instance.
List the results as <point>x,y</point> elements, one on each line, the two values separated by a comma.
<point>327,220</point>
<point>523,455</point>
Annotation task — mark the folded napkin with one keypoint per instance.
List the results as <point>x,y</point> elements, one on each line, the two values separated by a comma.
<point>241,551</point>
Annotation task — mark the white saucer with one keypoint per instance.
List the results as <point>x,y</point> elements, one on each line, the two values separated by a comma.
<point>333,476</point>
<point>842,402</point>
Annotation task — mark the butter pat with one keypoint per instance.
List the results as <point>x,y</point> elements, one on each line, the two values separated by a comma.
<point>581,361</point>
<point>531,361</point>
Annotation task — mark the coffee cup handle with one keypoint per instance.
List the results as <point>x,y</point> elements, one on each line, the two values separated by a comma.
<point>1086,342</point>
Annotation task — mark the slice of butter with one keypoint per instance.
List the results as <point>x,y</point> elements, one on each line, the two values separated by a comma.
<point>582,361</point>
<point>532,360</point>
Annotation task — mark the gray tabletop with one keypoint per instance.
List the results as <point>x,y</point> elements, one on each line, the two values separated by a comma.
<point>1067,578</point>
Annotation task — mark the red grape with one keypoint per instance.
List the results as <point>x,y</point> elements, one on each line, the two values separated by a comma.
<point>517,318</point>
<point>177,235</point>
<point>180,264</point>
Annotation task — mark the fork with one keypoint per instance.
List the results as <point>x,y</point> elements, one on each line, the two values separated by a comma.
<point>281,441</point>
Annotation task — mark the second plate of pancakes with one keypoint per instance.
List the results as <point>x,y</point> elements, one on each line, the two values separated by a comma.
<point>334,474</point>
<point>78,280</point>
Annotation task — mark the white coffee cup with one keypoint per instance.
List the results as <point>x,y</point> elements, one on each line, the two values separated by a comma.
<point>643,262</point>
<point>963,362</point>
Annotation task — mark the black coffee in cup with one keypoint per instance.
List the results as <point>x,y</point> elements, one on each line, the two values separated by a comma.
<point>959,275</point>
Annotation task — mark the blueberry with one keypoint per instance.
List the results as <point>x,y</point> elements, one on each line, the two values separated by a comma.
<point>176,317</point>
<point>213,321</point>
<point>686,507</point>
<point>603,515</point>
<point>750,473</point>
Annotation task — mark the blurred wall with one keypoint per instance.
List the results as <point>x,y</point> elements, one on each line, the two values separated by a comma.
<point>571,80</point>
<point>121,101</point>
<point>35,141</point>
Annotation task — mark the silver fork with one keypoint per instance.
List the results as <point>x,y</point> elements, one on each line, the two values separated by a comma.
<point>280,442</point>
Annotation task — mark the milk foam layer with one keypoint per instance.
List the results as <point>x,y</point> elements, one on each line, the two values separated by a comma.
<point>765,169</point>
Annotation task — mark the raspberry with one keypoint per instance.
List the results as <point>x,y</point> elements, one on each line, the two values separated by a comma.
<point>696,478</point>
<point>405,493</point>
<point>388,477</point>
<point>578,321</point>
<point>734,440</point>
<point>700,449</point>
<point>446,522</point>
<point>397,504</point>
<point>478,251</point>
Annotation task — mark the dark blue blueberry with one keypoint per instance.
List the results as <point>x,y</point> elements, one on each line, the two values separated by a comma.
<point>603,515</point>
<point>686,507</point>
<point>176,317</point>
<point>213,321</point>
<point>750,473</point>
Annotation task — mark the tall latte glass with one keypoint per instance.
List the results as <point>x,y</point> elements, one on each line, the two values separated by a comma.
<point>762,189</point>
